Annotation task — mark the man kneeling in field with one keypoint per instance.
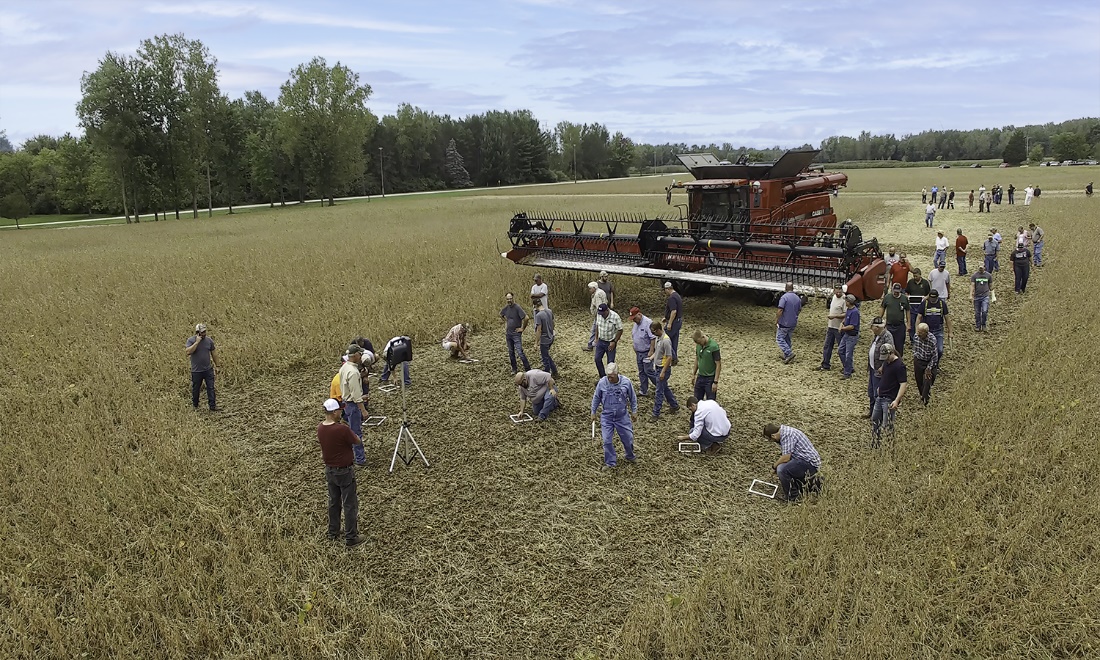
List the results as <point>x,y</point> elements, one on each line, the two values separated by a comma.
<point>537,387</point>
<point>456,341</point>
<point>797,467</point>
<point>710,426</point>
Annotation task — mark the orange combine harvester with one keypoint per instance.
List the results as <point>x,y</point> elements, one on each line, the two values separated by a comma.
<point>745,225</point>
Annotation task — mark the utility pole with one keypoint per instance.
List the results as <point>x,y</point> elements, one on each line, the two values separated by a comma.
<point>654,162</point>
<point>382,170</point>
<point>574,162</point>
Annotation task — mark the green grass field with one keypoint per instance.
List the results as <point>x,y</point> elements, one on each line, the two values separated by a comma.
<point>137,527</point>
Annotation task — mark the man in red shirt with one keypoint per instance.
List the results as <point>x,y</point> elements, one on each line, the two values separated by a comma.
<point>336,442</point>
<point>899,272</point>
<point>960,250</point>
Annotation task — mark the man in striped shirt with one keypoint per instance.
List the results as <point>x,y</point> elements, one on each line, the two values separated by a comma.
<point>798,463</point>
<point>926,358</point>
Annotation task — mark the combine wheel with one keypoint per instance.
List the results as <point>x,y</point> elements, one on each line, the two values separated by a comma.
<point>766,298</point>
<point>690,288</point>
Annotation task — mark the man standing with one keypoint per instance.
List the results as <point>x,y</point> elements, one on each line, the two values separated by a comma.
<point>1011,194</point>
<point>933,313</point>
<point>539,292</point>
<point>515,322</point>
<point>981,286</point>
<point>891,387</point>
<point>891,257</point>
<point>798,463</point>
<point>1021,267</point>
<point>935,193</point>
<point>895,309</point>
<point>849,335</point>
<point>786,318</point>
<point>620,410</point>
<point>609,328</point>
<point>607,287</point>
<point>875,360</point>
<point>941,249</point>
<point>708,366</point>
<point>940,280</point>
<point>923,195</point>
<point>926,358</point>
<point>837,307</point>
<point>598,298</point>
<point>981,199</point>
<point>929,214</point>
<point>645,343</point>
<point>1037,236</point>
<point>971,200</point>
<point>710,426</point>
<point>916,290</point>
<point>899,271</point>
<point>989,251</point>
<point>544,335</point>
<point>351,393</point>
<point>997,252</point>
<point>943,196</point>
<point>204,366</point>
<point>537,387</point>
<point>337,444</point>
<point>456,341</point>
<point>951,199</point>
<point>674,318</point>
<point>960,250</point>
<point>1029,192</point>
<point>662,359</point>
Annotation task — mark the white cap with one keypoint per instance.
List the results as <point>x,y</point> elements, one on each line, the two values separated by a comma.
<point>368,358</point>
<point>603,273</point>
<point>592,285</point>
<point>668,285</point>
<point>201,327</point>
<point>331,405</point>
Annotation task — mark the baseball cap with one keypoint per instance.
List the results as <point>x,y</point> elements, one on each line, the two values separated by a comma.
<point>668,285</point>
<point>634,310</point>
<point>850,298</point>
<point>602,308</point>
<point>331,405</point>
<point>897,286</point>
<point>933,294</point>
<point>603,273</point>
<point>518,378</point>
<point>592,285</point>
<point>887,349</point>
<point>879,321</point>
<point>354,348</point>
<point>538,276</point>
<point>201,327</point>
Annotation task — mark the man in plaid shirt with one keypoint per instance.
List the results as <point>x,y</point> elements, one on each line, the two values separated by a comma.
<point>798,465</point>
<point>609,327</point>
<point>926,358</point>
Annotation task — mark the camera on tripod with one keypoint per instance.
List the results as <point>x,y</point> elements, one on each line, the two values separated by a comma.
<point>398,350</point>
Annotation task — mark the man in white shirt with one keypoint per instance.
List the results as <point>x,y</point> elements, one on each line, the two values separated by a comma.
<point>599,297</point>
<point>539,292</point>
<point>891,257</point>
<point>710,426</point>
<point>940,280</point>
<point>929,214</point>
<point>837,309</point>
<point>941,249</point>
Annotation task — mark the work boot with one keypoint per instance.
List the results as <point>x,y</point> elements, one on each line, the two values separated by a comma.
<point>358,540</point>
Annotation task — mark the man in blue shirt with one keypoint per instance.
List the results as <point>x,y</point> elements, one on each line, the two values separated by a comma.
<point>616,395</point>
<point>645,342</point>
<point>786,318</point>
<point>849,335</point>
<point>798,463</point>
<point>933,312</point>
<point>515,322</point>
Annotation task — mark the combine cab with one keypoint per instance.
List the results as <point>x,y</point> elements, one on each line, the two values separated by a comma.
<point>749,226</point>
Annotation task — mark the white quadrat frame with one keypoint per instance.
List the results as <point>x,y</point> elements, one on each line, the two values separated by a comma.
<point>757,482</point>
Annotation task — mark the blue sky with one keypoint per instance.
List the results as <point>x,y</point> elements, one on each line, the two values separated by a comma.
<point>758,73</point>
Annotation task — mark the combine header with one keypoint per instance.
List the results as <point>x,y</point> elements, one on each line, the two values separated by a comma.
<point>750,226</point>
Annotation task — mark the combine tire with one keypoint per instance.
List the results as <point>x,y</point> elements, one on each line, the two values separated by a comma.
<point>766,298</point>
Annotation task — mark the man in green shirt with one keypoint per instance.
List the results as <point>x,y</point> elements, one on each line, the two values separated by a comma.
<point>708,367</point>
<point>895,309</point>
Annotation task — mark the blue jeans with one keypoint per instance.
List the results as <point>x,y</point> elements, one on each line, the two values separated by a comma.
<point>847,353</point>
<point>928,218</point>
<point>404,372</point>
<point>1037,257</point>
<point>514,340</point>
<point>674,335</point>
<point>542,409</point>
<point>938,334</point>
<point>663,393</point>
<point>981,312</point>
<point>602,349</point>
<point>912,324</point>
<point>342,496</point>
<point>962,264</point>
<point>703,388</point>
<point>832,337</point>
<point>592,335</point>
<point>609,423</point>
<point>989,261</point>
<point>706,439</point>
<point>793,476</point>
<point>355,422</point>
<point>547,361</point>
<point>897,331</point>
<point>783,338</point>
<point>197,379</point>
<point>872,385</point>
<point>646,374</point>
<point>882,418</point>
<point>940,257</point>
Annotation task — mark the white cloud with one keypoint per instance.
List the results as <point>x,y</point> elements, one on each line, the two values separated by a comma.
<point>19,30</point>
<point>272,15</point>
<point>434,58</point>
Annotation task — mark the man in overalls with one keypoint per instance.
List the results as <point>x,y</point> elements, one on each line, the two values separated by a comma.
<point>620,408</point>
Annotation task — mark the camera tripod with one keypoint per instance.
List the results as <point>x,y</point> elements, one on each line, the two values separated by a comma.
<point>406,443</point>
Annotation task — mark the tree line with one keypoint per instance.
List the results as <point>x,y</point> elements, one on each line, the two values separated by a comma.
<point>159,136</point>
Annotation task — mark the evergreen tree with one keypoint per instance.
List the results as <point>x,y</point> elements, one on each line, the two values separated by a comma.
<point>457,176</point>
<point>1016,150</point>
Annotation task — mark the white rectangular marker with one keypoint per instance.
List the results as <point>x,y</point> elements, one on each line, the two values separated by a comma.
<point>374,420</point>
<point>469,361</point>
<point>519,419</point>
<point>765,485</point>
<point>388,388</point>
<point>689,448</point>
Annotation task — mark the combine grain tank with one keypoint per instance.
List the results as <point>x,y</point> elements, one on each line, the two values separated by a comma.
<point>750,226</point>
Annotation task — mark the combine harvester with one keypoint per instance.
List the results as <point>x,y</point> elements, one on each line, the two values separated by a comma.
<point>748,226</point>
